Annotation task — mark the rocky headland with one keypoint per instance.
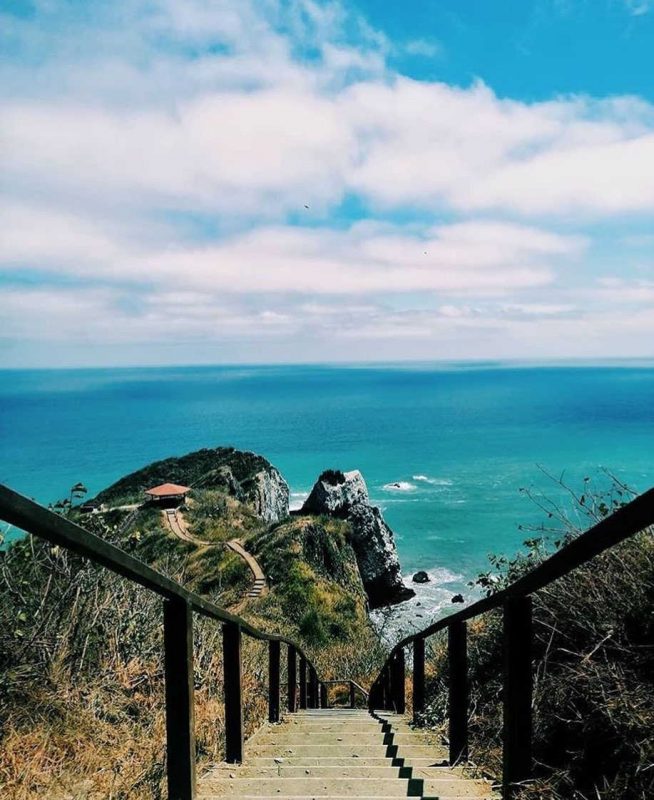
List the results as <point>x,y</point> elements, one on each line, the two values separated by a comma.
<point>238,494</point>
<point>344,495</point>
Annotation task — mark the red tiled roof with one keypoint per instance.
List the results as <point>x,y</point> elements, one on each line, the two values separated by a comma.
<point>167,489</point>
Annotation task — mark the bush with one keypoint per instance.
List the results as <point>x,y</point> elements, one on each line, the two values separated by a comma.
<point>593,674</point>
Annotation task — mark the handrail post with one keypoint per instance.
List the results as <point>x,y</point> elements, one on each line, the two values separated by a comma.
<point>312,700</point>
<point>178,668</point>
<point>418,679</point>
<point>303,682</point>
<point>233,692</point>
<point>375,699</point>
<point>273,680</point>
<point>323,696</point>
<point>353,702</point>
<point>398,681</point>
<point>458,691</point>
<point>292,678</point>
<point>386,684</point>
<point>517,692</point>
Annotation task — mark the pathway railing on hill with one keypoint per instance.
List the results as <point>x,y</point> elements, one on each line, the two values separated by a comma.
<point>388,690</point>
<point>178,607</point>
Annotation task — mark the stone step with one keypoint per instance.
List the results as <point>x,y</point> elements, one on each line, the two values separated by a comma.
<point>350,725</point>
<point>285,770</point>
<point>313,787</point>
<point>333,737</point>
<point>328,761</point>
<point>318,751</point>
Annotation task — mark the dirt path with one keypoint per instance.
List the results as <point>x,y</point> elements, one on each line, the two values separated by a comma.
<point>176,523</point>
<point>260,585</point>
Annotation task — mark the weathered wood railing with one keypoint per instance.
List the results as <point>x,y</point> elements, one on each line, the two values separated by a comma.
<point>178,607</point>
<point>353,688</point>
<point>388,689</point>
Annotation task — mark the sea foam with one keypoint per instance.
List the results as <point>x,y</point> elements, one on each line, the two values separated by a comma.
<point>399,486</point>
<point>432,481</point>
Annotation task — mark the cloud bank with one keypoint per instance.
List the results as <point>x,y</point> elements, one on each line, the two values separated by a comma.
<point>239,175</point>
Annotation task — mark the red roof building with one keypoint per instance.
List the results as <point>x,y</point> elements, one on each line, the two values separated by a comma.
<point>168,491</point>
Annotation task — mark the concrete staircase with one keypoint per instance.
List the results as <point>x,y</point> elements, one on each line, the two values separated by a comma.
<point>342,753</point>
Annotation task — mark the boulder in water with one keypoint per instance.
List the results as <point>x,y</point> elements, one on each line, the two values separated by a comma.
<point>421,577</point>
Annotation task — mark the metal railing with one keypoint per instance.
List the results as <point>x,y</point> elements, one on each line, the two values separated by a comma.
<point>388,690</point>
<point>179,604</point>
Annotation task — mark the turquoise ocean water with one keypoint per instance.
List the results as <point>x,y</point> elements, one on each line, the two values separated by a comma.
<point>459,439</point>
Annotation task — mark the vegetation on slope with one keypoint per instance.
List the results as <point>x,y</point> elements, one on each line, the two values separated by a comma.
<point>81,697</point>
<point>593,667</point>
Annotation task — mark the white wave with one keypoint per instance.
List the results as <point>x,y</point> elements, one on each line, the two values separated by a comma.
<point>399,486</point>
<point>437,577</point>
<point>432,481</point>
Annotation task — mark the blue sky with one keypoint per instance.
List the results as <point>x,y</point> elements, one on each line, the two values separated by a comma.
<point>295,180</point>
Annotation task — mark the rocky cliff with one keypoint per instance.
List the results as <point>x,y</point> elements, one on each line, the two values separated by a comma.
<point>345,495</point>
<point>246,476</point>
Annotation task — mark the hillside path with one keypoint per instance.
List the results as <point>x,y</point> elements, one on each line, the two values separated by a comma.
<point>178,526</point>
<point>260,583</point>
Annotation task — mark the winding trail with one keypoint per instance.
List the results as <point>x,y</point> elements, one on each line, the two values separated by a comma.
<point>178,526</point>
<point>260,583</point>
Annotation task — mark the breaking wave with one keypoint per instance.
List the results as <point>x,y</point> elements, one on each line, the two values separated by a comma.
<point>399,486</point>
<point>432,481</point>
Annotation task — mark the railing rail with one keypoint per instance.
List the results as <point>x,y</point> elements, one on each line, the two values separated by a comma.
<point>179,605</point>
<point>388,689</point>
<point>354,687</point>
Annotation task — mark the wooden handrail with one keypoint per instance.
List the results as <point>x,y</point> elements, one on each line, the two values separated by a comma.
<point>623,523</point>
<point>39,521</point>
<point>387,690</point>
<point>178,607</point>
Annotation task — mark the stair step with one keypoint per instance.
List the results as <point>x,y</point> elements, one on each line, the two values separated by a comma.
<point>333,754</point>
<point>318,761</point>
<point>314,771</point>
<point>317,750</point>
<point>314,787</point>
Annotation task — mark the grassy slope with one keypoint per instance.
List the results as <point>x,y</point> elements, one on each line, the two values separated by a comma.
<point>81,702</point>
<point>594,679</point>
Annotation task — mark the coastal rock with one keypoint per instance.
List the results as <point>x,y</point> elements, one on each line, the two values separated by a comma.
<point>420,577</point>
<point>458,598</point>
<point>246,476</point>
<point>269,494</point>
<point>345,495</point>
<point>336,492</point>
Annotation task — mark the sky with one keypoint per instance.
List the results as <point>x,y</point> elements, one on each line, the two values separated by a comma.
<point>225,181</point>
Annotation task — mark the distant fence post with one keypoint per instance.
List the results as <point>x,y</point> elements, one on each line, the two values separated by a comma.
<point>233,692</point>
<point>353,700</point>
<point>303,682</point>
<point>418,678</point>
<point>178,668</point>
<point>458,691</point>
<point>273,680</point>
<point>292,678</point>
<point>323,696</point>
<point>517,692</point>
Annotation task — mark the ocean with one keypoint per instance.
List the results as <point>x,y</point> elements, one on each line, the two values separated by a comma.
<point>444,448</point>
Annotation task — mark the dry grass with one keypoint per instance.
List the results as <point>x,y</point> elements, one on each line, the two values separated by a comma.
<point>593,680</point>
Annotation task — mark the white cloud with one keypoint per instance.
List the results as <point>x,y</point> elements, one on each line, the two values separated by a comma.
<point>462,258</point>
<point>152,145</point>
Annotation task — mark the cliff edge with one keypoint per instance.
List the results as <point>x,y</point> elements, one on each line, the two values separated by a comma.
<point>345,495</point>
